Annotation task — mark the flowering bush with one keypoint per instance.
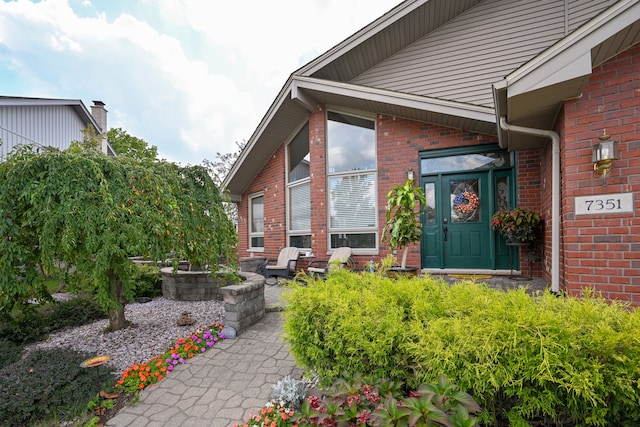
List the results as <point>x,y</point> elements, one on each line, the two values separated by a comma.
<point>356,402</point>
<point>141,375</point>
<point>272,415</point>
<point>518,223</point>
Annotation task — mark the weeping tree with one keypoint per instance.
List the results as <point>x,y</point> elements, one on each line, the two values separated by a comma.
<point>83,209</point>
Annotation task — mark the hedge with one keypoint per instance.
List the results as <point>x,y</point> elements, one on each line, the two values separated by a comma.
<point>526,360</point>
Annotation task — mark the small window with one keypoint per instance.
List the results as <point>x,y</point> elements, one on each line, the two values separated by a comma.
<point>256,222</point>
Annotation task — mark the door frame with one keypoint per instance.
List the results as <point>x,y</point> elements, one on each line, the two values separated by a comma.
<point>431,243</point>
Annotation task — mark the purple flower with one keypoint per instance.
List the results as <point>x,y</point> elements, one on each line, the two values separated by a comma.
<point>181,360</point>
<point>170,368</point>
<point>203,349</point>
<point>175,355</point>
<point>199,341</point>
<point>175,362</point>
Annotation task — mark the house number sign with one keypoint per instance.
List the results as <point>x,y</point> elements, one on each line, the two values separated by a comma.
<point>604,203</point>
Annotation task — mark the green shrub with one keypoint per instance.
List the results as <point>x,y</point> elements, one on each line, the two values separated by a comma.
<point>543,360</point>
<point>148,281</point>
<point>34,323</point>
<point>48,384</point>
<point>11,352</point>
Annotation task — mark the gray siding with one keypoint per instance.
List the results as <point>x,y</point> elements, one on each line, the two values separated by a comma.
<point>461,59</point>
<point>51,125</point>
<point>580,11</point>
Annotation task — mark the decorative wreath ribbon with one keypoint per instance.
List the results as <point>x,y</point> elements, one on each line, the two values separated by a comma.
<point>466,202</point>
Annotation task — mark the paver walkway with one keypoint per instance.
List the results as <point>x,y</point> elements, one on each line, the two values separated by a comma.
<point>222,386</point>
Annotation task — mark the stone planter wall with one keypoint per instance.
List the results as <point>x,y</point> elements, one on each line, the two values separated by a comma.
<point>250,264</point>
<point>190,285</point>
<point>244,303</point>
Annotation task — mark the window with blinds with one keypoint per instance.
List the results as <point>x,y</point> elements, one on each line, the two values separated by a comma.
<point>256,222</point>
<point>351,181</point>
<point>299,188</point>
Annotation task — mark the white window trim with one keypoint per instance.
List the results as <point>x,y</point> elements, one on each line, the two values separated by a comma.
<point>251,235</point>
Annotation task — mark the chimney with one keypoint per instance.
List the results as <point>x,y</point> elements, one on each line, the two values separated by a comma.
<point>99,113</point>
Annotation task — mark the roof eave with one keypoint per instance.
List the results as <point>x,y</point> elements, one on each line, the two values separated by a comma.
<point>532,95</point>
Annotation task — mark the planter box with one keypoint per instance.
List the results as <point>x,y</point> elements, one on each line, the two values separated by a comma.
<point>191,285</point>
<point>400,272</point>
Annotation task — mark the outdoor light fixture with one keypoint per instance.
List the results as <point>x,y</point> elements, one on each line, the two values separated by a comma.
<point>604,153</point>
<point>410,174</point>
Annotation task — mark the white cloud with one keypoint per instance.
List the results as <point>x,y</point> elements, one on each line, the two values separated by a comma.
<point>189,76</point>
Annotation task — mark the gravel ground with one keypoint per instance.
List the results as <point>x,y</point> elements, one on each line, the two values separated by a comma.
<point>153,330</point>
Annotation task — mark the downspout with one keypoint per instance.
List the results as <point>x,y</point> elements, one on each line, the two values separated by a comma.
<point>555,194</point>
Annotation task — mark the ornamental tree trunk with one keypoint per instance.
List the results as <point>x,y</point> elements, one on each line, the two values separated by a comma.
<point>403,264</point>
<point>116,315</point>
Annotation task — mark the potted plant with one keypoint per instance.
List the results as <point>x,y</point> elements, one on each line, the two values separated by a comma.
<point>517,224</point>
<point>403,221</point>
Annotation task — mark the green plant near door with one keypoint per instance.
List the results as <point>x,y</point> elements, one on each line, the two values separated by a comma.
<point>402,220</point>
<point>517,224</point>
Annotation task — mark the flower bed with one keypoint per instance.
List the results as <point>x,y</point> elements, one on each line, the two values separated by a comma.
<point>142,375</point>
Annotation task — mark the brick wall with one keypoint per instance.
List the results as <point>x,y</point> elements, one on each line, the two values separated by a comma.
<point>603,251</point>
<point>271,182</point>
<point>399,143</point>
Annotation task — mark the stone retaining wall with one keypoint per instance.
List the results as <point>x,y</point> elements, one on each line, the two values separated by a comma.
<point>244,303</point>
<point>190,285</point>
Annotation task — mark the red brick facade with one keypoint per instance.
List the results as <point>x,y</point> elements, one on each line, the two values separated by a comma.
<point>603,251</point>
<point>599,251</point>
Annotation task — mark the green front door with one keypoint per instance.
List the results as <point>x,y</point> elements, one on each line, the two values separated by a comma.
<point>465,207</point>
<point>455,225</point>
<point>463,188</point>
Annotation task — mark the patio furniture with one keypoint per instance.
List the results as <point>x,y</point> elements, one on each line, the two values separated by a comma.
<point>339,259</point>
<point>285,265</point>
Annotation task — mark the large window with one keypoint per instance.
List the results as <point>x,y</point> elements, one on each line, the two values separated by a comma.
<point>299,188</point>
<point>256,222</point>
<point>351,170</point>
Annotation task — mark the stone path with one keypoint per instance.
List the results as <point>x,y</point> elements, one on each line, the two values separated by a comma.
<point>220,387</point>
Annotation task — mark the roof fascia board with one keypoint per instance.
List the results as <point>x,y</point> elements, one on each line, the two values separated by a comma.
<point>77,105</point>
<point>364,34</point>
<point>572,55</point>
<point>417,102</point>
<point>273,109</point>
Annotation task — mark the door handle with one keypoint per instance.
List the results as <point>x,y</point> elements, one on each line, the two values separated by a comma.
<point>445,229</point>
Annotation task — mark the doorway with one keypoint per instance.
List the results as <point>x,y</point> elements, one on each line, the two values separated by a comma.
<point>456,231</point>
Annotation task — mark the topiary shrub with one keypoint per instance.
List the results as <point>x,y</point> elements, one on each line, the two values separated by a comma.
<point>48,384</point>
<point>526,360</point>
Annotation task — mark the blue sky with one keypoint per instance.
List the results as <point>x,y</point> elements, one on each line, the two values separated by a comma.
<point>188,76</point>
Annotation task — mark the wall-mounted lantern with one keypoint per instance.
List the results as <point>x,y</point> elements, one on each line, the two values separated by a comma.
<point>604,153</point>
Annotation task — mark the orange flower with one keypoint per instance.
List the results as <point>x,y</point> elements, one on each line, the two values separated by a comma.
<point>141,386</point>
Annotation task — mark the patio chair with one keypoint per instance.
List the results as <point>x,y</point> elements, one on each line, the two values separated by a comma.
<point>340,258</point>
<point>285,265</point>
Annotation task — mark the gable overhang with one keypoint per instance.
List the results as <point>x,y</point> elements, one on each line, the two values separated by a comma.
<point>75,104</point>
<point>302,95</point>
<point>393,31</point>
<point>534,94</point>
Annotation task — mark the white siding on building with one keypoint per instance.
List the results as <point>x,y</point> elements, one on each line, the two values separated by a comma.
<point>45,125</point>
